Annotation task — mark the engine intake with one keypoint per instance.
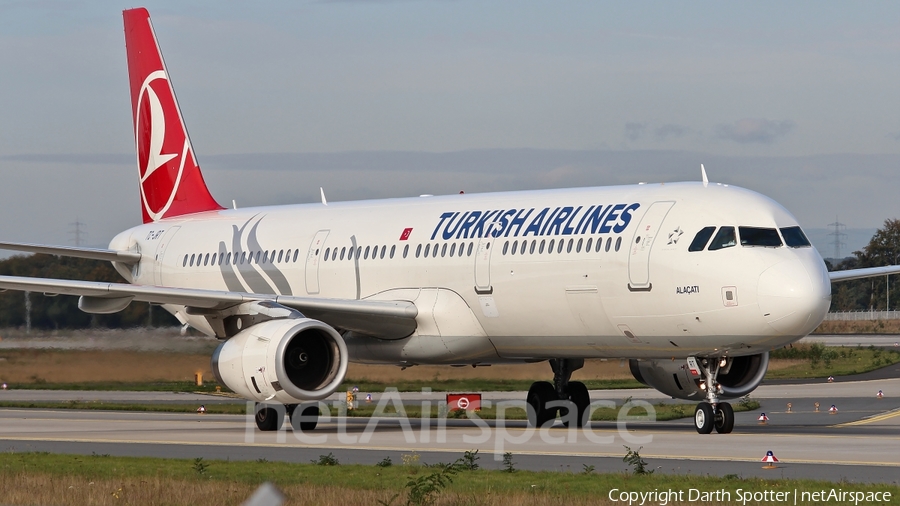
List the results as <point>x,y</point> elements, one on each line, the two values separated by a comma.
<point>739,377</point>
<point>288,360</point>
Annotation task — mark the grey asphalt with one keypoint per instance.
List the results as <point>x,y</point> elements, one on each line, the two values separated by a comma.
<point>861,443</point>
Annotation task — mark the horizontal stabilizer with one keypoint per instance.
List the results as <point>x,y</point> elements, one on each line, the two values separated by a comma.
<point>125,257</point>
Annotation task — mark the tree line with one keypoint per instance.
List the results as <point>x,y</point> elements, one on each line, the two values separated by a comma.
<point>61,312</point>
<point>870,293</point>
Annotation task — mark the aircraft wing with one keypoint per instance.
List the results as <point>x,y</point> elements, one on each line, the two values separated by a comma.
<point>383,319</point>
<point>869,272</point>
<point>125,257</point>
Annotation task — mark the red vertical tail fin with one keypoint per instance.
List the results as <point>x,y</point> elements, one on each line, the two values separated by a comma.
<point>170,178</point>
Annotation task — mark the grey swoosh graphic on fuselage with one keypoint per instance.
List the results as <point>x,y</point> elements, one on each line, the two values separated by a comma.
<point>231,280</point>
<point>254,280</point>
<point>281,283</point>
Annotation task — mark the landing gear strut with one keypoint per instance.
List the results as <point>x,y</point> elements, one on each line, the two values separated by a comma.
<point>543,393</point>
<point>712,413</point>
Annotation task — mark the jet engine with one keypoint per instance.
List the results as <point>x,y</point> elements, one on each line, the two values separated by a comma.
<point>737,377</point>
<point>285,360</point>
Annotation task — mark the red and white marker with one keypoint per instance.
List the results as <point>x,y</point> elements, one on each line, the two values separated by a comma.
<point>831,379</point>
<point>879,395</point>
<point>770,459</point>
<point>763,419</point>
<point>832,410</point>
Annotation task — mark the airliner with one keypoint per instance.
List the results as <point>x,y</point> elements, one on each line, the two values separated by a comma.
<point>693,282</point>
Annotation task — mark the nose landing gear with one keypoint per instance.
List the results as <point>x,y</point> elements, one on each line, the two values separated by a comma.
<point>712,413</point>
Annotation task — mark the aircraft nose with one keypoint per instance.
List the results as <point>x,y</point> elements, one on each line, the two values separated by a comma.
<point>794,295</point>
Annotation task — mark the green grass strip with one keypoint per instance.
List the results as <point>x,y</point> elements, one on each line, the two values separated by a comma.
<point>580,485</point>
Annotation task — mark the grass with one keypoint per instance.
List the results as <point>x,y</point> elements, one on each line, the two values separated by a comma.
<point>855,327</point>
<point>149,386</point>
<point>130,370</point>
<point>662,411</point>
<point>819,361</point>
<point>40,478</point>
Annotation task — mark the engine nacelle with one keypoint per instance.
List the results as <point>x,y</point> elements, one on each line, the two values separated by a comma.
<point>739,377</point>
<point>285,360</point>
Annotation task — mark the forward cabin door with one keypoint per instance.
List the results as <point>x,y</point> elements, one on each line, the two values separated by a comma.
<point>483,262</point>
<point>313,259</point>
<point>641,244</point>
<point>160,255</point>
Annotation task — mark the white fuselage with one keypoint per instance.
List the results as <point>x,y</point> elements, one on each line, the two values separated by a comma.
<point>641,294</point>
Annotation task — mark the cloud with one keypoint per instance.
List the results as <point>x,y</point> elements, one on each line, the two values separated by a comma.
<point>634,131</point>
<point>752,130</point>
<point>895,136</point>
<point>670,130</point>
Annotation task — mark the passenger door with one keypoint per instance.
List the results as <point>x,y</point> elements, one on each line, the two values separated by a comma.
<point>313,258</point>
<point>641,245</point>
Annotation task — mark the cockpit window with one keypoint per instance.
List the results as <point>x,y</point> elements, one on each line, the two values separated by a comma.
<point>701,239</point>
<point>724,238</point>
<point>753,236</point>
<point>794,237</point>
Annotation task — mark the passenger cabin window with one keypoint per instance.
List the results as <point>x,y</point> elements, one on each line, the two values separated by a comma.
<point>724,238</point>
<point>753,236</point>
<point>794,237</point>
<point>701,239</point>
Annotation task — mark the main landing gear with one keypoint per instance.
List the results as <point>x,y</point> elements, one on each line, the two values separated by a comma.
<point>270,417</point>
<point>712,413</point>
<point>546,400</point>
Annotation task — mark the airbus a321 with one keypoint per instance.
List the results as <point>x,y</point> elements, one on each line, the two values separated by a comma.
<point>694,282</point>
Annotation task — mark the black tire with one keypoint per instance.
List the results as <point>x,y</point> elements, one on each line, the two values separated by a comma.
<point>724,418</point>
<point>578,395</point>
<point>704,418</point>
<point>305,418</point>
<point>540,393</point>
<point>268,418</point>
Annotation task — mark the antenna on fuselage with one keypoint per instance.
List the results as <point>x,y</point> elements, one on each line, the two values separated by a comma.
<point>703,175</point>
<point>322,192</point>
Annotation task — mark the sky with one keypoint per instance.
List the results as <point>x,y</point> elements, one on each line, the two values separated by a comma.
<point>378,98</point>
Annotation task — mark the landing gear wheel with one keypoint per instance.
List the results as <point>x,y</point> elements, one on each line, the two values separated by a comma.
<point>579,396</point>
<point>305,417</point>
<point>268,418</point>
<point>540,393</point>
<point>724,418</point>
<point>704,418</point>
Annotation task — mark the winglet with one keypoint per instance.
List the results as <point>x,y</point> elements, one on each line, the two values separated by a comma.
<point>703,174</point>
<point>322,192</point>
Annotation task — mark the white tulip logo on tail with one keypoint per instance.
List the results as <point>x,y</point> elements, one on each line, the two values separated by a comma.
<point>159,182</point>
